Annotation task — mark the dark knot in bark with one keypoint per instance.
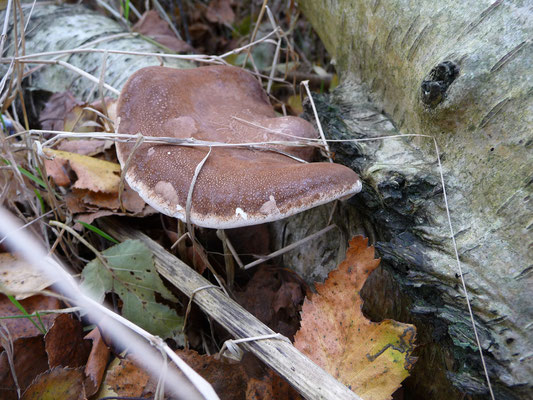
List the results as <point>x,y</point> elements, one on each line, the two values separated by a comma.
<point>439,79</point>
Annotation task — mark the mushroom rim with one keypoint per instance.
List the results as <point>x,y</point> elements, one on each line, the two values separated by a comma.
<point>236,221</point>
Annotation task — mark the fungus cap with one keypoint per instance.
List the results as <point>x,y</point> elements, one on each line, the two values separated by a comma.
<point>237,186</point>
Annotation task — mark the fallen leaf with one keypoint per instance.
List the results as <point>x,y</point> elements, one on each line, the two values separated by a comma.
<point>63,112</point>
<point>125,378</point>
<point>65,345</point>
<point>228,380</point>
<point>258,389</point>
<point>371,358</point>
<point>94,192</point>
<point>274,295</point>
<point>56,108</point>
<point>93,174</point>
<point>19,278</point>
<point>130,199</point>
<point>153,26</point>
<point>57,383</point>
<point>78,119</point>
<point>295,103</point>
<point>97,362</point>
<point>134,279</point>
<point>57,169</point>
<point>29,360</point>
<point>88,206</point>
<point>90,217</point>
<point>85,147</point>
<point>220,11</point>
<point>271,387</point>
<point>22,327</point>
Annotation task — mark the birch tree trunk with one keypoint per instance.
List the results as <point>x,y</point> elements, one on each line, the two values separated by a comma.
<point>461,73</point>
<point>67,27</point>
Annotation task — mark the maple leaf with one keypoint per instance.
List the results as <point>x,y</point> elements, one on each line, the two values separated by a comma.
<point>371,358</point>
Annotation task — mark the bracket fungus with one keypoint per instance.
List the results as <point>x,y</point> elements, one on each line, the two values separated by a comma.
<point>238,185</point>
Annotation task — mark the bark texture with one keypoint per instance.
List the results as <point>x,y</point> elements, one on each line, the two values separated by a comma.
<point>53,28</point>
<point>460,72</point>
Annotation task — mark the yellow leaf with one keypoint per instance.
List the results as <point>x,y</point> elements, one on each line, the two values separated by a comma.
<point>370,358</point>
<point>93,174</point>
<point>295,103</point>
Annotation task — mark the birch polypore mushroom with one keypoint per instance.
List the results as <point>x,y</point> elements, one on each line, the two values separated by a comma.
<point>237,185</point>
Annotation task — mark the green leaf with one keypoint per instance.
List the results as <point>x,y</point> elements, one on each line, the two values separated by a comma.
<point>127,10</point>
<point>41,200</point>
<point>27,174</point>
<point>21,308</point>
<point>134,279</point>
<point>98,231</point>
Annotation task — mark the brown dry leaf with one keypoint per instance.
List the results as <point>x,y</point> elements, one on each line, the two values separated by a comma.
<point>63,112</point>
<point>153,26</point>
<point>271,387</point>
<point>22,327</point>
<point>74,202</point>
<point>65,345</point>
<point>57,383</point>
<point>125,378</point>
<point>93,174</point>
<point>19,278</point>
<point>228,380</point>
<point>259,390</point>
<point>274,295</point>
<point>370,358</point>
<point>85,147</point>
<point>131,200</point>
<point>78,119</point>
<point>220,11</point>
<point>97,362</point>
<point>90,217</point>
<point>56,108</point>
<point>57,169</point>
<point>29,359</point>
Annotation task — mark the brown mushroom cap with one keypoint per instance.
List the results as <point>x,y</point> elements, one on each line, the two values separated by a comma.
<point>236,186</point>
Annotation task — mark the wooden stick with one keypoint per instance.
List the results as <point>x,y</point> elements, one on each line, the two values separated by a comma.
<point>307,378</point>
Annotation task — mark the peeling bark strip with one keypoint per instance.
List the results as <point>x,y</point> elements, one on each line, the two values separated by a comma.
<point>482,122</point>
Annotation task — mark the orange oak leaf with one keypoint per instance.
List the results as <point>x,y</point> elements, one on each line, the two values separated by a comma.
<point>371,358</point>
